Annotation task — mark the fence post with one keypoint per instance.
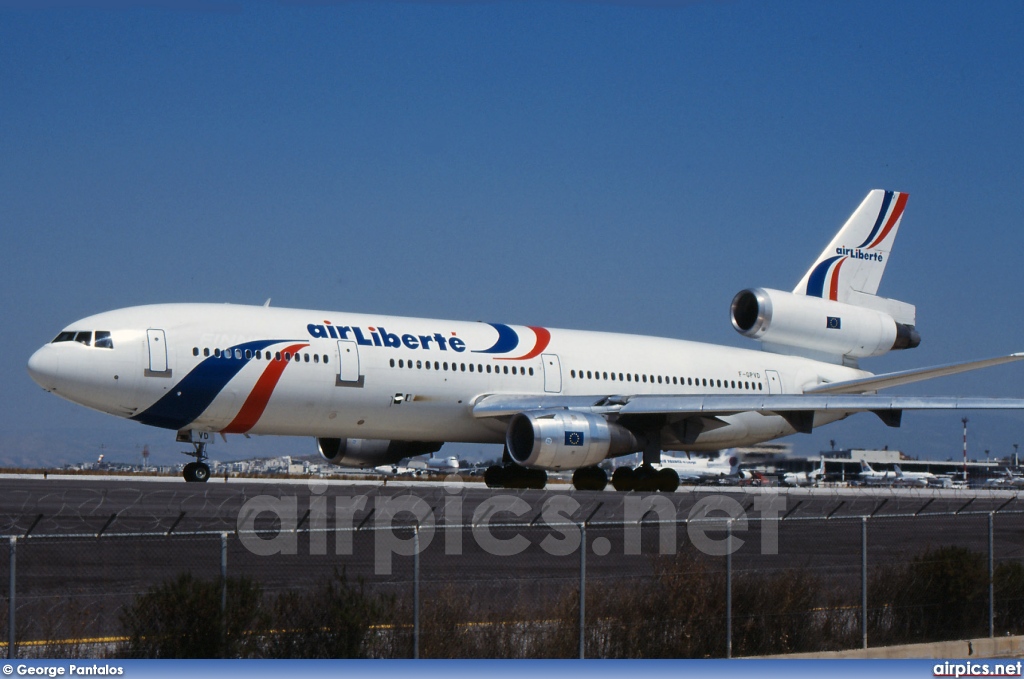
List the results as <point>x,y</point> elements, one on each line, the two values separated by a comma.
<point>991,577</point>
<point>223,573</point>
<point>863,582</point>
<point>728,588</point>
<point>416,592</point>
<point>12,604</point>
<point>583,588</point>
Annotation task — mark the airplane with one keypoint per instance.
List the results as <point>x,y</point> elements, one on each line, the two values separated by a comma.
<point>870,477</point>
<point>372,389</point>
<point>1007,480</point>
<point>697,469</point>
<point>913,478</point>
<point>811,478</point>
<point>435,465</point>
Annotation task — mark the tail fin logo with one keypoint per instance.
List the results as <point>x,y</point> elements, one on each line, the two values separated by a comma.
<point>824,280</point>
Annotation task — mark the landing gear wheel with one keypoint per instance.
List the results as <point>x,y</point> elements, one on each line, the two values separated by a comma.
<point>198,471</point>
<point>514,476</point>
<point>589,478</point>
<point>668,480</point>
<point>494,477</point>
<point>201,473</point>
<point>622,479</point>
<point>645,479</point>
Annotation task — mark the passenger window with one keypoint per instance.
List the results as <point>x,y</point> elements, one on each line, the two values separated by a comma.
<point>248,354</point>
<point>325,358</point>
<point>605,375</point>
<point>206,351</point>
<point>84,337</point>
<point>195,351</point>
<point>531,372</point>
<point>103,340</point>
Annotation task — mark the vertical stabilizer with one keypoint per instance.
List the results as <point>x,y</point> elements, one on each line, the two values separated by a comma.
<point>853,263</point>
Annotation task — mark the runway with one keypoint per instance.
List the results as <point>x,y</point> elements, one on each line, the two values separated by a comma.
<point>87,546</point>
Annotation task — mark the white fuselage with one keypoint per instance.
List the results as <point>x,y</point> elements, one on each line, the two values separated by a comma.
<point>270,371</point>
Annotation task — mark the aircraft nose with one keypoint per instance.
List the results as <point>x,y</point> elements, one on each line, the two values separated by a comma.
<point>43,367</point>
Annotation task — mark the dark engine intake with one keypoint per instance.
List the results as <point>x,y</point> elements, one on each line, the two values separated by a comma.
<point>562,439</point>
<point>372,452</point>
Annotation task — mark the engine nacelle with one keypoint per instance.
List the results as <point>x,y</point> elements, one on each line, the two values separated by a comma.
<point>372,452</point>
<point>820,325</point>
<point>563,439</point>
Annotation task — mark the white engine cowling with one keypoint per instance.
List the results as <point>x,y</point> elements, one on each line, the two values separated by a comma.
<point>563,439</point>
<point>821,325</point>
<point>371,452</point>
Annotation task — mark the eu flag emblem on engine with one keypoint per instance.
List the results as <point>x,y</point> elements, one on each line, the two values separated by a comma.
<point>574,438</point>
<point>835,323</point>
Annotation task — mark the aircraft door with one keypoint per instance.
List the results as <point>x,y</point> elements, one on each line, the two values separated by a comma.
<point>552,373</point>
<point>349,372</point>
<point>157,353</point>
<point>774,383</point>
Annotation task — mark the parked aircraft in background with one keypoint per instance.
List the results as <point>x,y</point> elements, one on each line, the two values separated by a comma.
<point>698,468</point>
<point>811,478</point>
<point>374,389</point>
<point>1006,480</point>
<point>913,478</point>
<point>870,477</point>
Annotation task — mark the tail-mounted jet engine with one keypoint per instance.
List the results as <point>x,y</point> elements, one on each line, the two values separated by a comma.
<point>820,325</point>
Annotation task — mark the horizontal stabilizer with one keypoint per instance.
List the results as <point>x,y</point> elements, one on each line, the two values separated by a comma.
<point>876,382</point>
<point>506,405</point>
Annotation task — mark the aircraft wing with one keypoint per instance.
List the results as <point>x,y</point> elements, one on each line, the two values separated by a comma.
<point>895,379</point>
<point>797,409</point>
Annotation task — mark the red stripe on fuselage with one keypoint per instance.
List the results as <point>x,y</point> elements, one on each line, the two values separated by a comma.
<point>259,397</point>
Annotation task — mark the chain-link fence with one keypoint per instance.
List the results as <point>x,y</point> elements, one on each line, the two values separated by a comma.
<point>394,576</point>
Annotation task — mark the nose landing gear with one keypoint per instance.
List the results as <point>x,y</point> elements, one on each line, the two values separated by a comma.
<point>198,471</point>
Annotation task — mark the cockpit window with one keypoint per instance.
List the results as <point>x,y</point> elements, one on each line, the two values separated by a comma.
<point>84,337</point>
<point>66,336</point>
<point>103,340</point>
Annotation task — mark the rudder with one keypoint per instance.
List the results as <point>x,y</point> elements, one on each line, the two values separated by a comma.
<point>853,263</point>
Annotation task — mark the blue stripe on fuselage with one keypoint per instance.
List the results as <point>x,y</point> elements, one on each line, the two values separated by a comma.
<point>196,391</point>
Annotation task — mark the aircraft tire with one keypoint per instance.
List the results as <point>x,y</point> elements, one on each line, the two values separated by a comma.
<point>589,478</point>
<point>536,479</point>
<point>622,479</point>
<point>201,473</point>
<point>189,472</point>
<point>668,480</point>
<point>494,476</point>
<point>645,479</point>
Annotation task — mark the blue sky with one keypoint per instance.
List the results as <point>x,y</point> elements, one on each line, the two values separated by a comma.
<point>609,166</point>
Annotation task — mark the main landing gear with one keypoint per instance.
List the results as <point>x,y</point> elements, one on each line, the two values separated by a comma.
<point>515,476</point>
<point>198,471</point>
<point>645,478</point>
